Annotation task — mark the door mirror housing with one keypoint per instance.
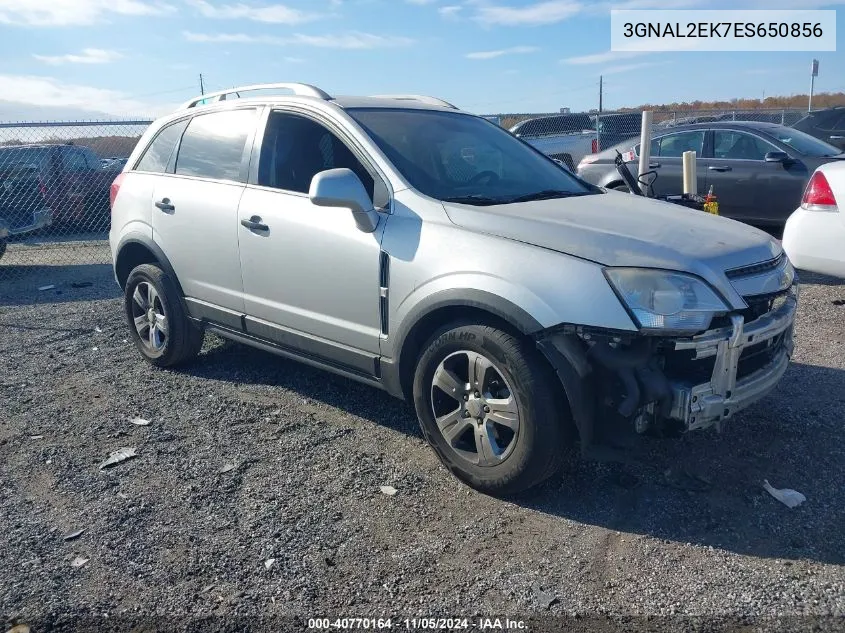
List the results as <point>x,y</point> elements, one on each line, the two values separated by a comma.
<point>777,157</point>
<point>343,189</point>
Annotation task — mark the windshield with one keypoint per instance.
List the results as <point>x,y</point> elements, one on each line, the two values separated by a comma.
<point>803,143</point>
<point>461,158</point>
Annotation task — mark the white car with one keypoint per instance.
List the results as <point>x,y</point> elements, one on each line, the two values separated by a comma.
<point>814,237</point>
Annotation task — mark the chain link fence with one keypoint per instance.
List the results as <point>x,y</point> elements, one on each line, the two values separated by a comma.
<point>55,177</point>
<point>54,192</point>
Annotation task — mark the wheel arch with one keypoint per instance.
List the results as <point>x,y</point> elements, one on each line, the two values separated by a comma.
<point>445,307</point>
<point>136,250</point>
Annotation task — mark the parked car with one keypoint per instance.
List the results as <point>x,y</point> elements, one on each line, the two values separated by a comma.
<point>62,184</point>
<point>827,125</point>
<point>814,236</point>
<point>565,137</point>
<point>423,250</point>
<point>22,206</point>
<point>758,170</point>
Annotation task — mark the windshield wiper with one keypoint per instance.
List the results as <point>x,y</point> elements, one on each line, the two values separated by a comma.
<point>548,194</point>
<point>476,200</point>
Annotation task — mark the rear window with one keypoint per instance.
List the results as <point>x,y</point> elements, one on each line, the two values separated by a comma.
<point>213,145</point>
<point>22,157</point>
<point>157,156</point>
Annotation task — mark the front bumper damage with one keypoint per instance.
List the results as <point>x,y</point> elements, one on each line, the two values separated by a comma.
<point>687,383</point>
<point>727,392</point>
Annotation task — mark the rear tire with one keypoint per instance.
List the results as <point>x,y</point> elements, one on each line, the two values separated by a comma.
<point>162,332</point>
<point>491,408</point>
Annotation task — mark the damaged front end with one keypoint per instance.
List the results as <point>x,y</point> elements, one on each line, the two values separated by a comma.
<point>619,381</point>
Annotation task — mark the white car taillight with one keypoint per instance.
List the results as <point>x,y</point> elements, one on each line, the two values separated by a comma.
<point>818,196</point>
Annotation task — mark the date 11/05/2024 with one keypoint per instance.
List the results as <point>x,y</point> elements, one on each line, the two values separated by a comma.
<point>417,624</point>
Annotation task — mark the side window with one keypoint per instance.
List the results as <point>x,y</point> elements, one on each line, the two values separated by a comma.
<point>157,155</point>
<point>73,160</point>
<point>728,144</point>
<point>213,144</point>
<point>296,148</point>
<point>674,145</point>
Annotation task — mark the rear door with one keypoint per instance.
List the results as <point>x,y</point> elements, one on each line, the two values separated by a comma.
<point>195,210</point>
<point>667,160</point>
<point>74,184</point>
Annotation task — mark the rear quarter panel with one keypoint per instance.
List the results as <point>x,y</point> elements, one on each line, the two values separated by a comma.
<point>132,212</point>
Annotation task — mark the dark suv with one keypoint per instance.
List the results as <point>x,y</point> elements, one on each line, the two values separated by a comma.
<point>65,182</point>
<point>827,125</point>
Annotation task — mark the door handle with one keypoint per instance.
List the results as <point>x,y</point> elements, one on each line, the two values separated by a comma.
<point>837,137</point>
<point>255,224</point>
<point>653,165</point>
<point>719,168</point>
<point>165,205</point>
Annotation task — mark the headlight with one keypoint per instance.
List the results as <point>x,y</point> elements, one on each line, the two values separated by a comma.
<point>666,301</point>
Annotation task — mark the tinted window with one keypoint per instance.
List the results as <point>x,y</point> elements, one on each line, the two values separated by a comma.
<point>158,154</point>
<point>740,146</point>
<point>295,149</point>
<point>461,158</point>
<point>73,160</point>
<point>23,157</point>
<point>554,125</point>
<point>674,145</point>
<point>213,145</point>
<point>802,143</point>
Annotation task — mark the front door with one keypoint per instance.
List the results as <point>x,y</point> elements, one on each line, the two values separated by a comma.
<point>195,211</point>
<point>748,188</point>
<point>310,276</point>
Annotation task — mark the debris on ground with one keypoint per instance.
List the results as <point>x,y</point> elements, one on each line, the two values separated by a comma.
<point>78,562</point>
<point>269,563</point>
<point>390,491</point>
<point>139,421</point>
<point>118,456</point>
<point>227,467</point>
<point>72,535</point>
<point>787,496</point>
<point>36,437</point>
<point>19,628</point>
<point>49,287</point>
<point>98,330</point>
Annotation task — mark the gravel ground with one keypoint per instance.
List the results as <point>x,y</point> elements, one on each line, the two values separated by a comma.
<point>256,491</point>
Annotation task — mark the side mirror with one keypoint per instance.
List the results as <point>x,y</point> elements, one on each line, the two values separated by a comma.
<point>342,188</point>
<point>776,157</point>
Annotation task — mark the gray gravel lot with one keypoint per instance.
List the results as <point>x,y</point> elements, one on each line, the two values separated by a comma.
<point>169,534</point>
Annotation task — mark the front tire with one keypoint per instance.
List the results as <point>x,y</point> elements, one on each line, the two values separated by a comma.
<point>489,405</point>
<point>161,330</point>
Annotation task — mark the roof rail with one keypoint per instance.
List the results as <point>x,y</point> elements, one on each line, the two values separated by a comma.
<point>302,90</point>
<point>420,98</point>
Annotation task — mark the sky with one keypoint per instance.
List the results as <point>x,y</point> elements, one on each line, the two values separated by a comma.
<point>97,59</point>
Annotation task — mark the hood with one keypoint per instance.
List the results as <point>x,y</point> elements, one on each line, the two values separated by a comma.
<point>620,229</point>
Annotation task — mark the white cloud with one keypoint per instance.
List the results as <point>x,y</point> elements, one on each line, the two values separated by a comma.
<point>625,68</point>
<point>354,40</point>
<point>514,50</point>
<point>271,13</point>
<point>74,12</point>
<point>548,12</point>
<point>42,92</point>
<point>601,58</point>
<point>450,11</point>
<point>87,56</point>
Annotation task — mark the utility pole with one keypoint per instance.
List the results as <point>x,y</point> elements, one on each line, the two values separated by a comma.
<point>600,92</point>
<point>814,71</point>
<point>202,88</point>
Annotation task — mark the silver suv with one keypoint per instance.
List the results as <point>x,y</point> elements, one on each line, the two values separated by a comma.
<point>401,242</point>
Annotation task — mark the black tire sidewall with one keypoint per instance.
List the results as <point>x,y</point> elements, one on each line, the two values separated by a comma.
<point>157,278</point>
<point>510,474</point>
